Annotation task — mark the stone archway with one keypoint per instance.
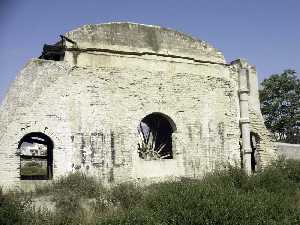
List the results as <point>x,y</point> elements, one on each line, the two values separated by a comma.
<point>155,132</point>
<point>36,156</point>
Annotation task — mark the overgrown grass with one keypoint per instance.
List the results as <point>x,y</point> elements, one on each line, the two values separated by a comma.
<point>225,197</point>
<point>33,169</point>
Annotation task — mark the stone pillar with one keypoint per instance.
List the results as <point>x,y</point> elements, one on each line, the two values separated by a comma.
<point>244,119</point>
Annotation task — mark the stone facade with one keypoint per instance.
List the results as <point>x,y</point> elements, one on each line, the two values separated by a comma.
<point>91,101</point>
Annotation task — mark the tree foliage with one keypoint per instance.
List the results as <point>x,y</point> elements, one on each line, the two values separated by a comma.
<point>280,105</point>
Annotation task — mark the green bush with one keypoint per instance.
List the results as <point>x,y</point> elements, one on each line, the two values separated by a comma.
<point>291,168</point>
<point>79,183</point>
<point>128,195</point>
<point>208,203</point>
<point>14,207</point>
<point>224,197</point>
<point>136,216</point>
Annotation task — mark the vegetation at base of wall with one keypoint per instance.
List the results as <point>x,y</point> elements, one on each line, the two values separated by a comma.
<point>225,197</point>
<point>81,184</point>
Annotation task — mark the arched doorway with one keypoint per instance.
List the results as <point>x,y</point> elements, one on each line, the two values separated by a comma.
<point>36,156</point>
<point>155,132</point>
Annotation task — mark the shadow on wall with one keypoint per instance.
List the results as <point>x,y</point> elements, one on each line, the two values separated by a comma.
<point>255,157</point>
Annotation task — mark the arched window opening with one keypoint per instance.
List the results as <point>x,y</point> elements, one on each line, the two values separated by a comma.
<point>155,132</point>
<point>36,157</point>
<point>254,141</point>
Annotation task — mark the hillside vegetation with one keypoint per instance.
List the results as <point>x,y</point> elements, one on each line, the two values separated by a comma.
<point>226,197</point>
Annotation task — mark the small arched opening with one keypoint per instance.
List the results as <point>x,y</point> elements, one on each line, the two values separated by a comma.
<point>36,156</point>
<point>155,132</point>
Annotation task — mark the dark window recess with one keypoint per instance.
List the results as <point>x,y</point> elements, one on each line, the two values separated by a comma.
<point>36,157</point>
<point>112,146</point>
<point>254,141</point>
<point>155,132</point>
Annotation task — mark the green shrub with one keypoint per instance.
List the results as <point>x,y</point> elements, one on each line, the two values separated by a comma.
<point>292,169</point>
<point>280,176</point>
<point>13,207</point>
<point>135,216</point>
<point>176,203</point>
<point>79,183</point>
<point>224,197</point>
<point>128,195</point>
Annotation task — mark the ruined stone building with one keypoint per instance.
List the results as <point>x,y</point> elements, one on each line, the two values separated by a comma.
<point>124,101</point>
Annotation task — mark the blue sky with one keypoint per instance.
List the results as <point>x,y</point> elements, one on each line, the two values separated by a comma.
<point>265,32</point>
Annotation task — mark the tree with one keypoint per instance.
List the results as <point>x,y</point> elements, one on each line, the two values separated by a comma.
<point>280,105</point>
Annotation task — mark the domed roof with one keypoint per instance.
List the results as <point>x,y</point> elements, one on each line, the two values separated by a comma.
<point>144,39</point>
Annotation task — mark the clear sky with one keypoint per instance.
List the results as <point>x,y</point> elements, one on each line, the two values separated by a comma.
<point>265,32</point>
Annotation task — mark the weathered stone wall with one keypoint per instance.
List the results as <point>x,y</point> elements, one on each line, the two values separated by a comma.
<point>92,116</point>
<point>91,103</point>
<point>289,151</point>
<point>140,39</point>
<point>266,146</point>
